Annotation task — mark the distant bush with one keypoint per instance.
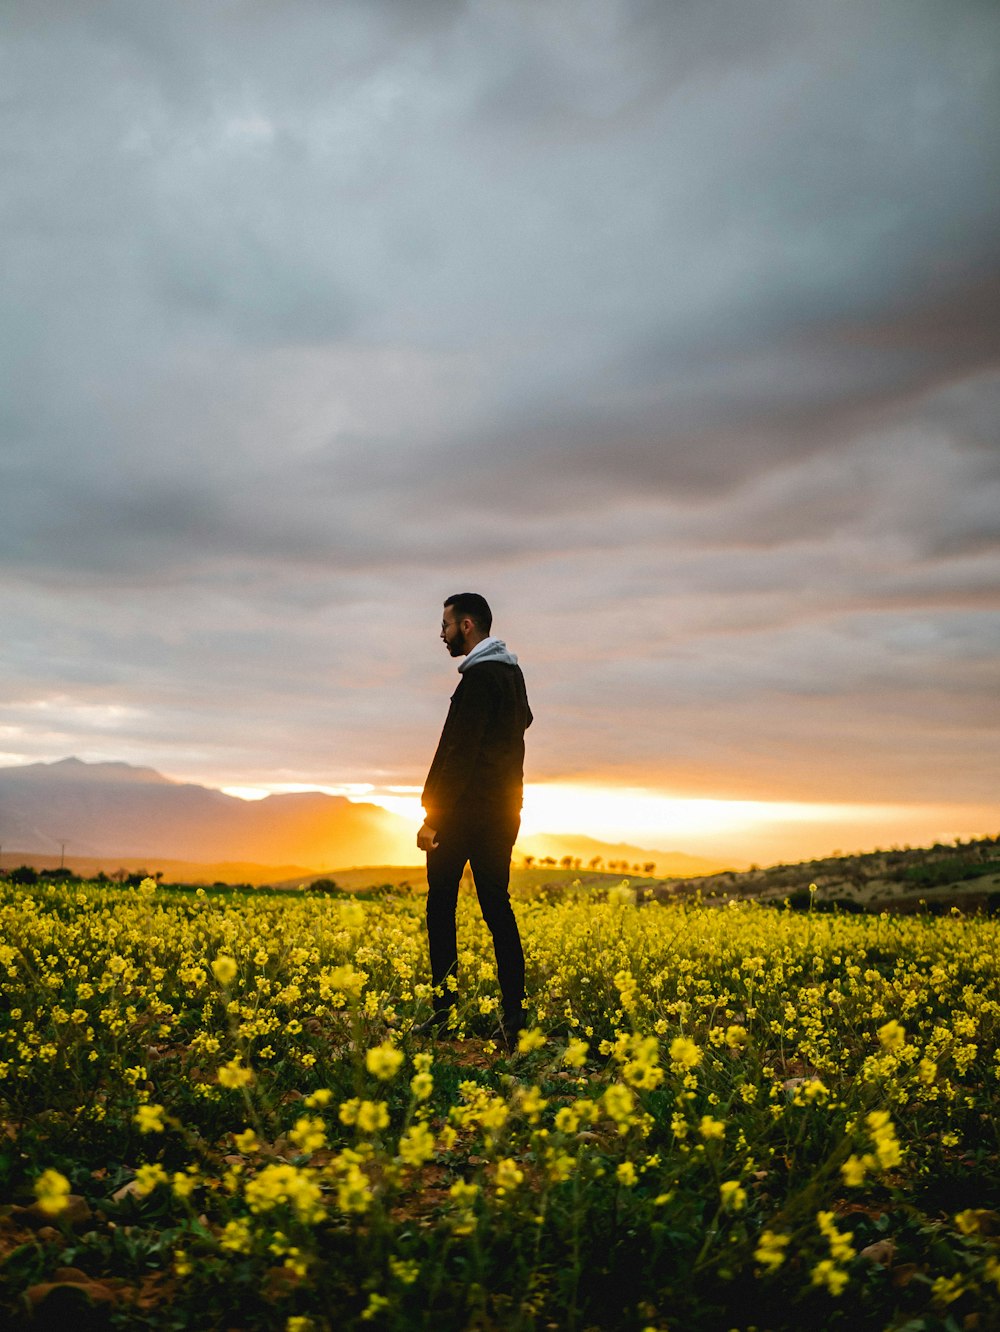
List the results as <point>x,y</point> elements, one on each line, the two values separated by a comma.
<point>324,886</point>
<point>939,872</point>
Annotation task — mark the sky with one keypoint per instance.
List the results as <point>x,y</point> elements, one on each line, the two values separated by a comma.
<point>671,326</point>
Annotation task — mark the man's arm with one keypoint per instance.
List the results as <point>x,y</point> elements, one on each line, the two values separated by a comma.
<point>459,749</point>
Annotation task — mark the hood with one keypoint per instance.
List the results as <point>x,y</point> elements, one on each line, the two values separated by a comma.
<point>490,649</point>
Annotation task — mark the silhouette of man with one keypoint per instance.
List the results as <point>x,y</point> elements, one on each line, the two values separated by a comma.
<point>472,805</point>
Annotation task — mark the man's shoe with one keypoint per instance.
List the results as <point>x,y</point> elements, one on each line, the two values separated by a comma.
<point>506,1037</point>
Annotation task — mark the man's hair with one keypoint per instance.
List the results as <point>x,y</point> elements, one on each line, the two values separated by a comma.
<point>470,605</point>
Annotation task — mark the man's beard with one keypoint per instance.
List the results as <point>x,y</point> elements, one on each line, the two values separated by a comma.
<point>458,647</point>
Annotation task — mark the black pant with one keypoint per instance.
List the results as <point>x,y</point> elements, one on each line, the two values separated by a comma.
<point>485,844</point>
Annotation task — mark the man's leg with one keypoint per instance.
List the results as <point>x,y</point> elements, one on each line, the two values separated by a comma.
<point>489,856</point>
<point>445,864</point>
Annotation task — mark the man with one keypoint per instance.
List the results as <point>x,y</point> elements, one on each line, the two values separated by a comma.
<point>472,804</point>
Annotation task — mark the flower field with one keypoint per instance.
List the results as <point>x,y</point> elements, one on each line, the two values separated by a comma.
<point>213,1114</point>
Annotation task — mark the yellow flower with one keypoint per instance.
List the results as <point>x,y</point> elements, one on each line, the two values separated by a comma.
<point>840,1242</point>
<point>308,1134</point>
<point>530,1039</point>
<point>887,1147</point>
<point>684,1053</point>
<point>732,1195</point>
<point>892,1036</point>
<point>405,1272</point>
<point>421,1084</point>
<point>224,969</point>
<point>531,1103</point>
<point>854,1170</point>
<point>575,1054</point>
<point>567,1120</point>
<point>183,1184</point>
<point>828,1274</point>
<point>383,1061</point>
<point>51,1189</point>
<point>353,1190</point>
<point>246,1142</point>
<point>281,1184</point>
<point>618,1105</point>
<point>233,1075</point>
<point>710,1128</point>
<point>770,1250</point>
<point>947,1289</point>
<point>416,1145</point>
<point>626,1174</point>
<point>236,1236</point>
<point>149,1177</point>
<point>369,1116</point>
<point>462,1193</point>
<point>970,1221</point>
<point>149,1118</point>
<point>508,1175</point>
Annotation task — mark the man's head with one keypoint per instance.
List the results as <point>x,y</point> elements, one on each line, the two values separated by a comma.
<point>466,621</point>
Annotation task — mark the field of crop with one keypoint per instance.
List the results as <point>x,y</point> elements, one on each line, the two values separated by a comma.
<point>213,1115</point>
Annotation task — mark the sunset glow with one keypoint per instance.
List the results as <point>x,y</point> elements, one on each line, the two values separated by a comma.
<point>742,830</point>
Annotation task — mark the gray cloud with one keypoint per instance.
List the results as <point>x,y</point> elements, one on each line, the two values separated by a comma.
<point>675,327</point>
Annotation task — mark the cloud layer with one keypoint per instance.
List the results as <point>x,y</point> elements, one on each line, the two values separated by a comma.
<point>673,328</point>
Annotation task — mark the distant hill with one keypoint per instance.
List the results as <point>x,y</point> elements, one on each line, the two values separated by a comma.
<point>965,874</point>
<point>113,810</point>
<point>113,814</point>
<point>618,856</point>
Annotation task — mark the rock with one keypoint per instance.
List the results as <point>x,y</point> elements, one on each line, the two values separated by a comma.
<point>126,1190</point>
<point>67,1296</point>
<point>883,1251</point>
<point>76,1213</point>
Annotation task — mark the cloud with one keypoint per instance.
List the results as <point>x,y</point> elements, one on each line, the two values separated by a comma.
<point>673,327</point>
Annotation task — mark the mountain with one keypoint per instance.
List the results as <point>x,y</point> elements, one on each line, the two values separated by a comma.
<point>668,864</point>
<point>116,810</point>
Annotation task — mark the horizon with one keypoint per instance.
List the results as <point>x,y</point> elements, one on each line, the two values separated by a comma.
<point>734,833</point>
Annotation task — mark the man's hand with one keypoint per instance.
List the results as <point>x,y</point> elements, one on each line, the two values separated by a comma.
<point>427,838</point>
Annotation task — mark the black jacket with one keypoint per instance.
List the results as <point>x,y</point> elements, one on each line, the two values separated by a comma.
<point>478,768</point>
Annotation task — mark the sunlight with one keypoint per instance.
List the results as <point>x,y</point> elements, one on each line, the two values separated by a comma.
<point>636,813</point>
<point>739,830</point>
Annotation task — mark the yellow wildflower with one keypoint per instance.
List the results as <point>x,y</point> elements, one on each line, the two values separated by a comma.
<point>892,1036</point>
<point>149,1118</point>
<point>224,969</point>
<point>770,1250</point>
<point>149,1177</point>
<point>383,1061</point>
<point>710,1128</point>
<point>684,1053</point>
<point>416,1145</point>
<point>51,1189</point>
<point>732,1195</point>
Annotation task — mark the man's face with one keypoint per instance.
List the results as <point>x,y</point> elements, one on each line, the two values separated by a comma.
<point>452,633</point>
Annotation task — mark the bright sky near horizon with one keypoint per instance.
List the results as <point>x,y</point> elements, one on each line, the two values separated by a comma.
<point>673,328</point>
